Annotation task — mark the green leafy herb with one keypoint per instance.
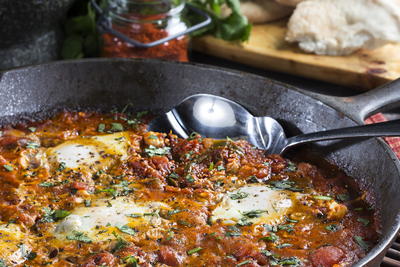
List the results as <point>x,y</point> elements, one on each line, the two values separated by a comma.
<point>32,129</point>
<point>189,178</point>
<point>360,241</point>
<point>239,195</point>
<point>322,198</point>
<point>8,167</point>
<point>79,236</point>
<point>292,261</point>
<point>50,215</point>
<point>175,211</point>
<point>220,168</point>
<point>101,127</point>
<point>284,245</point>
<point>233,231</point>
<point>116,127</point>
<point>291,220</point>
<point>47,184</point>
<point>32,145</point>
<point>131,260</point>
<point>332,227</point>
<point>211,167</point>
<point>343,197</point>
<point>170,235</point>
<point>2,263</point>
<point>285,185</point>
<point>157,151</point>
<point>244,263</point>
<point>291,167</point>
<point>267,253</point>
<point>87,203</point>
<point>271,228</point>
<point>134,215</point>
<point>286,227</point>
<point>363,221</point>
<point>270,238</point>
<point>126,229</point>
<point>173,175</point>
<point>253,213</point>
<point>140,114</point>
<point>195,250</point>
<point>82,38</point>
<point>152,136</point>
<point>61,167</point>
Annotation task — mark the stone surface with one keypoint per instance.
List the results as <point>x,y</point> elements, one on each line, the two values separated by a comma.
<point>31,31</point>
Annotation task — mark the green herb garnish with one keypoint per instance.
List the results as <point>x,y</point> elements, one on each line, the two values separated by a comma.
<point>363,221</point>
<point>61,167</point>
<point>116,127</point>
<point>79,236</point>
<point>47,184</point>
<point>127,230</point>
<point>101,127</point>
<point>195,250</point>
<point>239,195</point>
<point>360,241</point>
<point>270,238</point>
<point>244,263</point>
<point>322,198</point>
<point>32,145</point>
<point>253,213</point>
<point>8,167</point>
<point>332,227</point>
<point>157,151</point>
<point>32,129</point>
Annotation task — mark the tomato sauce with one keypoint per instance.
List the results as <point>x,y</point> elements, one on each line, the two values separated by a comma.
<point>330,226</point>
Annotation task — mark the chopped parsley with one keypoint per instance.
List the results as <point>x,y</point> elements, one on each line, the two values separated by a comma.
<point>47,184</point>
<point>152,136</point>
<point>189,178</point>
<point>343,197</point>
<point>101,127</point>
<point>195,250</point>
<point>175,211</point>
<point>32,129</point>
<point>332,227</point>
<point>363,221</point>
<point>50,215</point>
<point>116,127</point>
<point>322,198</point>
<point>220,168</point>
<point>2,263</point>
<point>361,242</point>
<point>61,167</point>
<point>127,230</point>
<point>8,167</point>
<point>253,213</point>
<point>211,167</point>
<point>157,151</point>
<point>79,236</point>
<point>292,261</point>
<point>284,245</point>
<point>285,185</point>
<point>244,263</point>
<point>32,145</point>
<point>291,167</point>
<point>270,238</point>
<point>239,195</point>
<point>233,231</point>
<point>131,260</point>
<point>87,202</point>
<point>286,227</point>
<point>173,175</point>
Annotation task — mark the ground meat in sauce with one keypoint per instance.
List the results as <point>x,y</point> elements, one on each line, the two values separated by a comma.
<point>332,225</point>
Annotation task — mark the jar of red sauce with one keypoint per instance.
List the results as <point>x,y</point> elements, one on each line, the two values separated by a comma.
<point>146,29</point>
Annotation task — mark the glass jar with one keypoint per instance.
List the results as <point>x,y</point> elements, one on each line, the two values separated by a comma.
<point>134,26</point>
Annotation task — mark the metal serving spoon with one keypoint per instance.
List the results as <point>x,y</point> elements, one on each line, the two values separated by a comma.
<point>217,117</point>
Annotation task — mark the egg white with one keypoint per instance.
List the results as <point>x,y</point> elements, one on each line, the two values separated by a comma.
<point>89,154</point>
<point>268,205</point>
<point>105,216</point>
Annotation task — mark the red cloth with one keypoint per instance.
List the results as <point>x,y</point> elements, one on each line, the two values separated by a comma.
<point>394,142</point>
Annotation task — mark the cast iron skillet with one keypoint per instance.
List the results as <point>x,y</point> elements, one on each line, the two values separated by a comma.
<point>33,92</point>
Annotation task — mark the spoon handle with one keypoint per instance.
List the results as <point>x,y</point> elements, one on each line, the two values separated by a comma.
<point>389,128</point>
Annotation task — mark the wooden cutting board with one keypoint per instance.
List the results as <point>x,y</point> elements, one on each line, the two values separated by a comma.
<point>267,49</point>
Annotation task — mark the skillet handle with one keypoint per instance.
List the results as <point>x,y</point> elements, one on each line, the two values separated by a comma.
<point>362,106</point>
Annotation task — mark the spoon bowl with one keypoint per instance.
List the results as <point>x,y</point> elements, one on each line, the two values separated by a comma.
<point>217,117</point>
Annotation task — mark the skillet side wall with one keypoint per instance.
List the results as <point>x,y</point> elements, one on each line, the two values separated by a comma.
<point>157,86</point>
